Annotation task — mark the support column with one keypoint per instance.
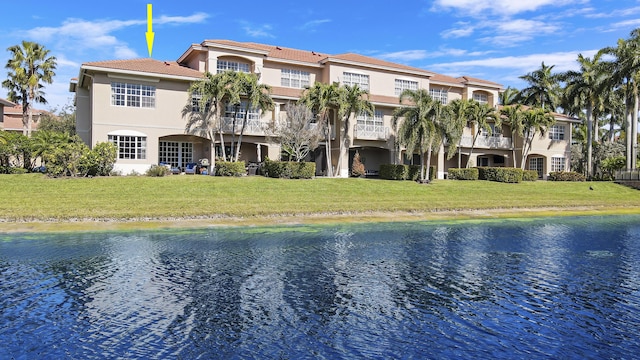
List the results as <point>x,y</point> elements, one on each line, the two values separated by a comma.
<point>259,152</point>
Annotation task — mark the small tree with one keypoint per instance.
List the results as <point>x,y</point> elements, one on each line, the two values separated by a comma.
<point>62,121</point>
<point>296,133</point>
<point>357,167</point>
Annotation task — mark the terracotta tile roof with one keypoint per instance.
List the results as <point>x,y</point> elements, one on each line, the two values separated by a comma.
<point>278,52</point>
<point>446,79</point>
<point>376,62</point>
<point>149,66</point>
<point>394,100</point>
<point>466,79</point>
<point>17,109</point>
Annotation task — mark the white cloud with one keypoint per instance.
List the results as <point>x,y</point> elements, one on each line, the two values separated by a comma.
<point>457,33</point>
<point>625,24</point>
<point>313,24</point>
<point>263,31</point>
<point>563,61</point>
<point>500,7</point>
<point>615,13</point>
<point>406,55</point>
<point>196,18</point>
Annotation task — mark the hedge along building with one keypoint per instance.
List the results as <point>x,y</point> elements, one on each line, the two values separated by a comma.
<point>137,104</point>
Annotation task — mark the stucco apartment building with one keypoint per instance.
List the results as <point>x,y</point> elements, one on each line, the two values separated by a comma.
<point>11,117</point>
<point>138,105</point>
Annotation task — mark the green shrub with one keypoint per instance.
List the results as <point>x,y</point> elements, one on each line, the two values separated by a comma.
<point>566,176</point>
<point>158,171</point>
<point>18,170</point>
<point>230,168</point>
<point>463,174</point>
<point>100,160</point>
<point>529,175</point>
<point>394,172</point>
<point>413,172</point>
<point>500,174</point>
<point>289,169</point>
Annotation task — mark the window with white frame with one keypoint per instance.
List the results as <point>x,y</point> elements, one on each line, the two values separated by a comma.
<point>239,110</point>
<point>177,154</point>
<point>224,65</point>
<point>441,95</point>
<point>481,98</point>
<point>294,78</point>
<point>196,100</point>
<point>130,147</point>
<point>558,163</point>
<point>368,120</point>
<point>356,79</point>
<point>556,132</point>
<point>402,85</point>
<point>496,131</point>
<point>133,95</point>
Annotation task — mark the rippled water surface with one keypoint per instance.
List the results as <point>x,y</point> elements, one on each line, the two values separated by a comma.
<point>558,288</point>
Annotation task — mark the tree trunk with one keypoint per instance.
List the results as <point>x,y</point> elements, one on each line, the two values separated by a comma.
<point>30,121</point>
<point>224,151</point>
<point>589,140</point>
<point>328,149</point>
<point>428,161</point>
<point>525,141</point>
<point>233,133</point>
<point>612,132</point>
<point>421,166</point>
<point>343,141</point>
<point>627,130</point>
<point>244,124</point>
<point>473,145</point>
<point>634,132</point>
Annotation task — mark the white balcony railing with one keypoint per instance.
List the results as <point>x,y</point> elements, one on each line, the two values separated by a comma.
<point>253,127</point>
<point>489,142</point>
<point>371,132</point>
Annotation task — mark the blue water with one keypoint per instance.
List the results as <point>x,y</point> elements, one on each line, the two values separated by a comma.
<point>548,288</point>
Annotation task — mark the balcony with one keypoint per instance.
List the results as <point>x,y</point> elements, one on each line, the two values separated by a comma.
<point>371,132</point>
<point>253,127</point>
<point>487,142</point>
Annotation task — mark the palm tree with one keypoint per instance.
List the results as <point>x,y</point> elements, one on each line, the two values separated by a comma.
<point>514,116</point>
<point>354,101</point>
<point>543,88</point>
<point>257,98</point>
<point>508,96</point>
<point>586,86</point>
<point>459,112</point>
<point>202,109</point>
<point>322,98</point>
<point>535,121</point>
<point>626,73</point>
<point>480,116</point>
<point>29,67</point>
<point>419,128</point>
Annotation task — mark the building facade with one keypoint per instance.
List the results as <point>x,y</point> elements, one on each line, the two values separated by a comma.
<point>138,105</point>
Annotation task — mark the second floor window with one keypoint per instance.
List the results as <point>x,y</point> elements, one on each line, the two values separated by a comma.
<point>294,78</point>
<point>133,95</point>
<point>440,95</point>
<point>224,65</point>
<point>402,85</point>
<point>556,132</point>
<point>356,79</point>
<point>366,119</point>
<point>481,98</point>
<point>239,110</point>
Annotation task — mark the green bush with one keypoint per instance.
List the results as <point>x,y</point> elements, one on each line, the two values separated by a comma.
<point>566,176</point>
<point>500,174</point>
<point>230,168</point>
<point>100,160</point>
<point>394,172</point>
<point>158,171</point>
<point>463,174</point>
<point>289,169</point>
<point>413,172</point>
<point>529,175</point>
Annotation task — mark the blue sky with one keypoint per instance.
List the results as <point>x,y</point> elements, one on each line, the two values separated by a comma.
<point>496,40</point>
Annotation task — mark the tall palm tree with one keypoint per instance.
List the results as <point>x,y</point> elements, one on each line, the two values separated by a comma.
<point>626,72</point>
<point>322,99</point>
<point>586,86</point>
<point>29,67</point>
<point>543,88</point>
<point>459,113</point>
<point>354,100</point>
<point>418,129</point>
<point>480,117</point>
<point>514,116</point>
<point>535,121</point>
<point>257,98</point>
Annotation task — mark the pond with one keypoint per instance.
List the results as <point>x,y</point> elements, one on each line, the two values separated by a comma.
<point>540,288</point>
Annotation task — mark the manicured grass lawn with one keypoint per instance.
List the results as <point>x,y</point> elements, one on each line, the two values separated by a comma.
<point>37,197</point>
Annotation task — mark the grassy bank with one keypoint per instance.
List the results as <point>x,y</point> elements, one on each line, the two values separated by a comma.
<point>38,198</point>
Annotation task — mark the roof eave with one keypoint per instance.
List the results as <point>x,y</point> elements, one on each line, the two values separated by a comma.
<point>209,43</point>
<point>389,68</point>
<point>189,51</point>
<point>6,103</point>
<point>294,62</point>
<point>138,73</point>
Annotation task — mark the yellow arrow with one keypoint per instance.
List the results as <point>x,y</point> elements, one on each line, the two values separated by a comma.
<point>149,32</point>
